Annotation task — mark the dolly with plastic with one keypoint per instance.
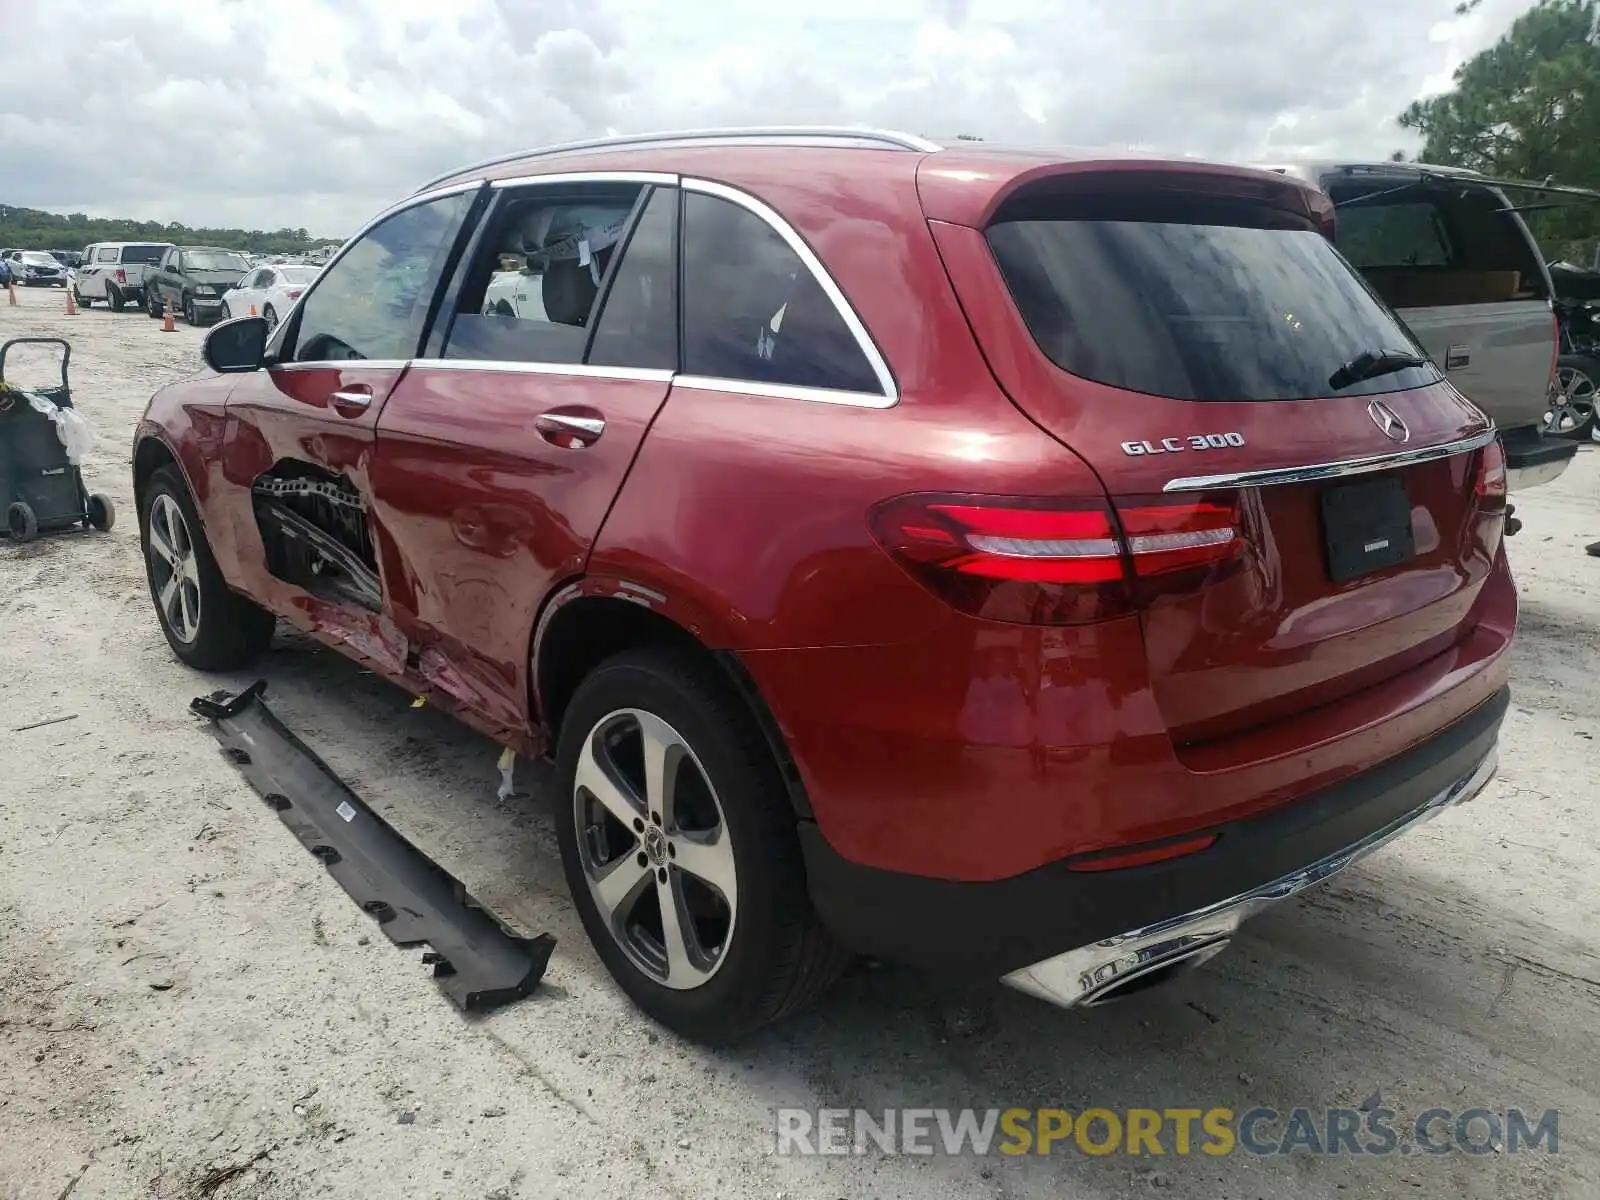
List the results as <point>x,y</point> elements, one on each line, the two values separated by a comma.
<point>42,443</point>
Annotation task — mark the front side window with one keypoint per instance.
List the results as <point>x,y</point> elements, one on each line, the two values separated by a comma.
<point>530,293</point>
<point>373,302</point>
<point>1228,304</point>
<point>753,311</point>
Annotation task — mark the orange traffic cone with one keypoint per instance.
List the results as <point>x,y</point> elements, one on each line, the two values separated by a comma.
<point>252,310</point>
<point>72,304</point>
<point>168,325</point>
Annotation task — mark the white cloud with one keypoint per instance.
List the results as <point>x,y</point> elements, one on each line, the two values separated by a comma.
<point>315,113</point>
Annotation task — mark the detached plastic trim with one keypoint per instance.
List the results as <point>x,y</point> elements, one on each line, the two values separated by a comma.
<point>477,962</point>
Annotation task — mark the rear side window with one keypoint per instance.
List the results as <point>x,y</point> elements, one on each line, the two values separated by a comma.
<point>530,294</point>
<point>106,254</point>
<point>752,310</point>
<point>638,325</point>
<point>1253,307</point>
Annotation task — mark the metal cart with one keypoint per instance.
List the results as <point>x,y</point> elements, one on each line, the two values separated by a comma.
<point>41,489</point>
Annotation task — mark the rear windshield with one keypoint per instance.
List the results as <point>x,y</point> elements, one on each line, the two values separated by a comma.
<point>142,254</point>
<point>298,274</point>
<point>214,260</point>
<point>1198,311</point>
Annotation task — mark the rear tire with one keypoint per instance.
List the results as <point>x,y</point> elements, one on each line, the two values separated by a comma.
<point>22,523</point>
<point>208,625</point>
<point>114,297</point>
<point>773,956</point>
<point>1572,413</point>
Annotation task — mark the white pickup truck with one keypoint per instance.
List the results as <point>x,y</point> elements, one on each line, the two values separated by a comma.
<point>114,272</point>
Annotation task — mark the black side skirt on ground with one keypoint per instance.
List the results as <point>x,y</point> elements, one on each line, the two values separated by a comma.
<point>477,962</point>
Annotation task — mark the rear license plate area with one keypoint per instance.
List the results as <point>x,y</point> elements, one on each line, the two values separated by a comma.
<point>1366,527</point>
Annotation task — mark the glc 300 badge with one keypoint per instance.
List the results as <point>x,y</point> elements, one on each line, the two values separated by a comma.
<point>1172,445</point>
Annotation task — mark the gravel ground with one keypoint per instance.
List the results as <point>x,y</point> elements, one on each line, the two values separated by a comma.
<point>189,1006</point>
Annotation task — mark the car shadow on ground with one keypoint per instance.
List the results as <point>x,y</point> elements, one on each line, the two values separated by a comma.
<point>1397,980</point>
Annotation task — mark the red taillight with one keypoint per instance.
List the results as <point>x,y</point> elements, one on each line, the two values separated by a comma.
<point>1490,486</point>
<point>1057,562</point>
<point>294,295</point>
<point>122,276</point>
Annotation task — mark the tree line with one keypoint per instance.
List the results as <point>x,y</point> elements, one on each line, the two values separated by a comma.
<point>34,229</point>
<point>1528,108</point>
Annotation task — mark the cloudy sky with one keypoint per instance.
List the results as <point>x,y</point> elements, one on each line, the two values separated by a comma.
<point>315,113</point>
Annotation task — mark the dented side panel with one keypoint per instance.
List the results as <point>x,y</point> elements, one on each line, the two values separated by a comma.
<point>288,422</point>
<point>485,515</point>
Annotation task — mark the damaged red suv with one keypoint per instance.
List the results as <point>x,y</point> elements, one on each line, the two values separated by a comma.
<point>995,561</point>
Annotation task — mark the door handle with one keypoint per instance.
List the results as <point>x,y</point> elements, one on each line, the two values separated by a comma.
<point>352,402</point>
<point>569,430</point>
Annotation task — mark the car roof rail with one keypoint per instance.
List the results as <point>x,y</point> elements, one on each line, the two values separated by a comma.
<point>773,134</point>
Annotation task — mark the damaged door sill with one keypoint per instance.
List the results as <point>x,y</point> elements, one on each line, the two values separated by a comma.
<point>477,962</point>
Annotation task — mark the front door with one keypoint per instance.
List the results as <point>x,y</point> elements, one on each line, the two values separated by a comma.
<point>292,515</point>
<point>500,452</point>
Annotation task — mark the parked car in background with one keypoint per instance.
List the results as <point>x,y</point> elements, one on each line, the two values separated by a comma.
<point>1577,303</point>
<point>35,268</point>
<point>71,259</point>
<point>269,291</point>
<point>191,280</point>
<point>1033,575</point>
<point>114,272</point>
<point>1446,248</point>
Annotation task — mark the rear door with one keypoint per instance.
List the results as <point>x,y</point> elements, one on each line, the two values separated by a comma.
<point>1190,349</point>
<point>293,508</point>
<point>1464,275</point>
<point>499,454</point>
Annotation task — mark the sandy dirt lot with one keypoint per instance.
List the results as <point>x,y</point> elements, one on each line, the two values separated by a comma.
<point>189,1006</point>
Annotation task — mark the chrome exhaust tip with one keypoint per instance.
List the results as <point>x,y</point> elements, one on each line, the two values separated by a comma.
<point>1143,958</point>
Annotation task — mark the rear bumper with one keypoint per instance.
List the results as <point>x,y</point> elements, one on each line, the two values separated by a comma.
<point>1073,935</point>
<point>1533,459</point>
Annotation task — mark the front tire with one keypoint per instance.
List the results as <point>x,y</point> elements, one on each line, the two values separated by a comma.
<point>189,313</point>
<point>227,313</point>
<point>1572,400</point>
<point>679,846</point>
<point>207,624</point>
<point>81,299</point>
<point>271,314</point>
<point>101,512</point>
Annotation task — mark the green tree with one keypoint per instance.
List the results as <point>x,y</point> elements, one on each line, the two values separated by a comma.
<point>34,229</point>
<point>1528,108</point>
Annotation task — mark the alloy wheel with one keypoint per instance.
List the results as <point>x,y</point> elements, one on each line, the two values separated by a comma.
<point>1571,401</point>
<point>655,848</point>
<point>174,569</point>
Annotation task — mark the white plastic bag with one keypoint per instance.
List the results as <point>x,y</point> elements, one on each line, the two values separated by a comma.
<point>72,429</point>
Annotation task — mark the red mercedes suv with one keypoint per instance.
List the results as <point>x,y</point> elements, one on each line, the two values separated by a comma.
<point>1002,561</point>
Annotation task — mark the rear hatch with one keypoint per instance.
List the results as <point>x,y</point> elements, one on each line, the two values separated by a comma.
<point>1195,348</point>
<point>1454,259</point>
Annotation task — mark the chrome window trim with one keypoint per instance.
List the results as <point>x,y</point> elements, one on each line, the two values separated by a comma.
<point>875,359</point>
<point>343,364</point>
<point>580,370</point>
<point>660,178</point>
<point>784,391</point>
<point>1341,468</point>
